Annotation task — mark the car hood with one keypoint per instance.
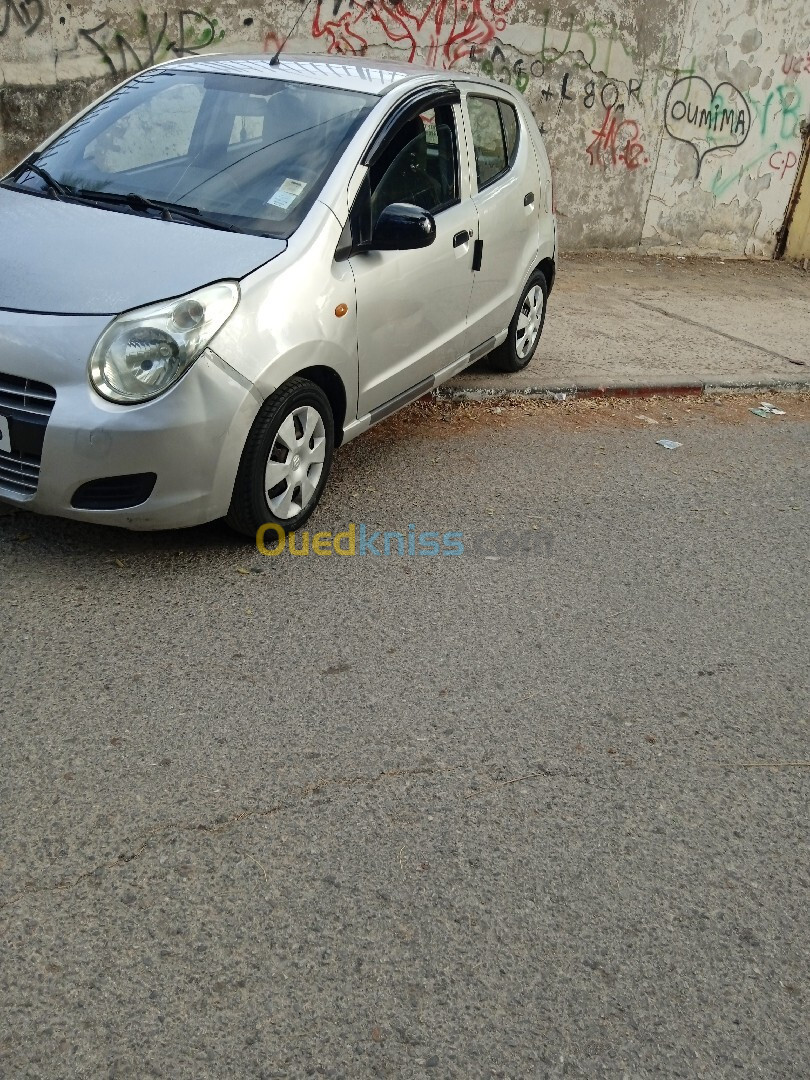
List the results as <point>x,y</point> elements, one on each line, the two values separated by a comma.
<point>65,258</point>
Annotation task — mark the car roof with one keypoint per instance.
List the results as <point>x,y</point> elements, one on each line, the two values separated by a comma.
<point>365,74</point>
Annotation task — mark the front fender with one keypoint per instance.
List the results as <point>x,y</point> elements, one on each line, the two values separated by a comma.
<point>297,312</point>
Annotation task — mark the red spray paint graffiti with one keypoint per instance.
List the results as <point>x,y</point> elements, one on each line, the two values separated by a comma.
<point>447,31</point>
<point>273,41</point>
<point>793,64</point>
<point>617,142</point>
<point>783,162</point>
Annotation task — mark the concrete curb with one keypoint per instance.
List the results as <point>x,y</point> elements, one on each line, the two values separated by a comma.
<point>587,389</point>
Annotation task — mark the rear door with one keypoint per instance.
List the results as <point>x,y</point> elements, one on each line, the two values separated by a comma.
<point>412,305</point>
<point>507,198</point>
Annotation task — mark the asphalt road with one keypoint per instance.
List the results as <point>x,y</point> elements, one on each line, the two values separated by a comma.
<point>499,814</point>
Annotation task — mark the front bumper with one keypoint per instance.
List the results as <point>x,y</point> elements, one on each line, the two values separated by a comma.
<point>191,437</point>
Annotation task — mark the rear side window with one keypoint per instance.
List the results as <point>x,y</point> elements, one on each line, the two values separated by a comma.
<point>495,129</point>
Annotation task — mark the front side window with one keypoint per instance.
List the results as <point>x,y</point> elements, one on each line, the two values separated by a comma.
<point>418,164</point>
<point>241,152</point>
<point>494,126</point>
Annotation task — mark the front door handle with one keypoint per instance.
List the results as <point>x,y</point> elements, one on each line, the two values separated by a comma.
<point>528,199</point>
<point>461,238</point>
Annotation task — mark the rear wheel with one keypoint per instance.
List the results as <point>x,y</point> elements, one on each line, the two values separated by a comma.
<point>286,460</point>
<point>525,328</point>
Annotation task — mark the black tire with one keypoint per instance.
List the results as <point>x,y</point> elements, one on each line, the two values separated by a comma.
<point>250,505</point>
<point>507,356</point>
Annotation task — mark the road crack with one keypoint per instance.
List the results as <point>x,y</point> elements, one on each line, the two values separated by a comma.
<point>712,330</point>
<point>146,839</point>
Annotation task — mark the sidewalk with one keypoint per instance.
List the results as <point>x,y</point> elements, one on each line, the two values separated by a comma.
<point>644,324</point>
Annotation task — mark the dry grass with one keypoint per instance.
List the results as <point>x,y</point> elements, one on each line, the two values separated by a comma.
<point>435,416</point>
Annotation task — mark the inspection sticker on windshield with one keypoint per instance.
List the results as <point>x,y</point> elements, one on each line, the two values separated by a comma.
<point>5,438</point>
<point>287,193</point>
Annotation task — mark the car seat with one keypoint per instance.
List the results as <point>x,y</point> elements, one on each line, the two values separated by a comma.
<point>401,174</point>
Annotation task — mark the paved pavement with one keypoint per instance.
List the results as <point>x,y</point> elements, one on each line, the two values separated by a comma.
<point>503,814</point>
<point>625,322</point>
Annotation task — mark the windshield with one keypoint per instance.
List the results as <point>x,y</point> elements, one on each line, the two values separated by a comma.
<point>242,152</point>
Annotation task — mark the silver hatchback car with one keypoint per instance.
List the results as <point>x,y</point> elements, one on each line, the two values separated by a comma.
<point>228,266</point>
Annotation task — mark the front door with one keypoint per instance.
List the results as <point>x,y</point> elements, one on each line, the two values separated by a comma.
<point>412,305</point>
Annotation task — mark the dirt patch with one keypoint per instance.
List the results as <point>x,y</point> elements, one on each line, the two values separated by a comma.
<point>691,274</point>
<point>435,417</point>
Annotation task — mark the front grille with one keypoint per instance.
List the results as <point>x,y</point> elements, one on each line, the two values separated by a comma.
<point>20,472</point>
<point>25,398</point>
<point>27,405</point>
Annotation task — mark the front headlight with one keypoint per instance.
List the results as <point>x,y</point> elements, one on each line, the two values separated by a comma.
<point>142,353</point>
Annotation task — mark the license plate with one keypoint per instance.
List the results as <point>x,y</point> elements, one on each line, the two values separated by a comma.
<point>5,438</point>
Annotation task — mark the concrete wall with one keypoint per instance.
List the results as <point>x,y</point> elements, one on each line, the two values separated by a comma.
<point>672,125</point>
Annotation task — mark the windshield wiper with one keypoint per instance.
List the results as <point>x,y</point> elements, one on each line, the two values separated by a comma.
<point>53,186</point>
<point>134,202</point>
<point>169,211</point>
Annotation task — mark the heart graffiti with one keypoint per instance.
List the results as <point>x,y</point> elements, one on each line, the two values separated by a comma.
<point>706,118</point>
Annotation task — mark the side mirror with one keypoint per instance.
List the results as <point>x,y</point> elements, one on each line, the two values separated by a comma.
<point>403,227</point>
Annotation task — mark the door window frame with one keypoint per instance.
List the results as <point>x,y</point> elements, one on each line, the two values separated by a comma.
<point>356,236</point>
<point>509,158</point>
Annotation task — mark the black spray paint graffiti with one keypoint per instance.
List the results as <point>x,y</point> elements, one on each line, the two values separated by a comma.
<point>557,89</point>
<point>152,41</point>
<point>706,118</point>
<point>563,84</point>
<point>613,95</point>
<point>25,14</point>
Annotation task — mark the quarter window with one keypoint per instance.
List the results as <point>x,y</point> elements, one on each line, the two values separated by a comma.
<point>494,127</point>
<point>510,129</point>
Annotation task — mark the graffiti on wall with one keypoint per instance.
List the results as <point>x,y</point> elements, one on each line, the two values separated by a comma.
<point>796,63</point>
<point>780,113</point>
<point>782,162</point>
<point>557,92</point>
<point>23,15</point>
<point>555,82</point>
<point>442,32</point>
<point>608,96</point>
<point>152,40</point>
<point>618,143</point>
<point>594,50</point>
<point>706,118</point>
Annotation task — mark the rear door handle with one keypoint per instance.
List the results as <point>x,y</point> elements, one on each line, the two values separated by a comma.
<point>528,199</point>
<point>461,238</point>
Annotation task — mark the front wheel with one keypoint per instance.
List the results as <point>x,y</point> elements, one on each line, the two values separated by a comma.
<point>286,460</point>
<point>525,328</point>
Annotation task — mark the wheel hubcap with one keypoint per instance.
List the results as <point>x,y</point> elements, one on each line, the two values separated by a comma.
<point>529,321</point>
<point>295,464</point>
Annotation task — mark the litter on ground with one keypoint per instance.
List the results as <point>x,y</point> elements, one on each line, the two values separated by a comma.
<point>669,444</point>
